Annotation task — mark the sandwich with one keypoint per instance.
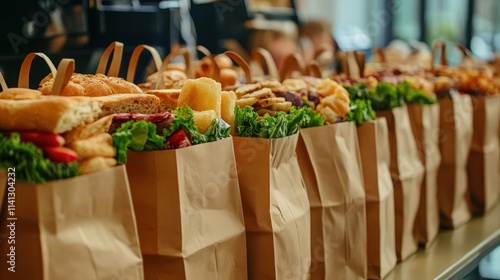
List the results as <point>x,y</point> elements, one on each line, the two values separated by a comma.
<point>51,137</point>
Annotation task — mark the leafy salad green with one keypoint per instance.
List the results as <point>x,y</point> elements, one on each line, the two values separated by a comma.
<point>30,164</point>
<point>249,124</point>
<point>142,135</point>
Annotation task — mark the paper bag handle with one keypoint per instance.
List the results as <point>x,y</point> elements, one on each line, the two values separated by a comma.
<point>292,62</point>
<point>114,69</point>
<point>65,70</point>
<point>342,58</point>
<point>132,65</point>
<point>203,50</point>
<point>313,69</point>
<point>467,55</point>
<point>24,73</point>
<point>361,61</point>
<point>439,44</point>
<point>2,82</point>
<point>264,57</point>
<point>242,63</point>
<point>186,54</point>
<point>380,53</point>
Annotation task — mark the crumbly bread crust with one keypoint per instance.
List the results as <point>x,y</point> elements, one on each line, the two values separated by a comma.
<point>48,113</point>
<point>129,103</point>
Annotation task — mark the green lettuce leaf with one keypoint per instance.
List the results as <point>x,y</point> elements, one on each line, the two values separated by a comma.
<point>217,130</point>
<point>361,111</point>
<point>184,119</point>
<point>29,162</point>
<point>137,136</point>
<point>414,96</point>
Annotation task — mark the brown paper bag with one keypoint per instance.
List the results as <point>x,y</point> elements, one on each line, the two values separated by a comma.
<point>77,228</point>
<point>380,219</point>
<point>483,164</point>
<point>189,214</point>
<point>455,122</point>
<point>275,206</point>
<point>331,167</point>
<point>407,174</point>
<point>3,186</point>
<point>424,121</point>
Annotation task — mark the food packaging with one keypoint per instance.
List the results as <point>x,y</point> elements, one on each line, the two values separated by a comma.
<point>189,213</point>
<point>276,208</point>
<point>483,165</point>
<point>83,228</point>
<point>407,174</point>
<point>380,215</point>
<point>455,125</point>
<point>330,163</point>
<point>424,121</point>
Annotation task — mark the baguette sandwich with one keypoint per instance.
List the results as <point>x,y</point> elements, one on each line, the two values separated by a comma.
<point>50,137</point>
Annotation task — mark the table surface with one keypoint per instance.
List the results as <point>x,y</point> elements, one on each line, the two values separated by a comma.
<point>453,250</point>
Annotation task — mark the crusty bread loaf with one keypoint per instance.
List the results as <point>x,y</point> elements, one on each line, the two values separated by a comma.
<point>168,98</point>
<point>20,94</point>
<point>119,85</point>
<point>90,85</point>
<point>48,113</point>
<point>129,103</point>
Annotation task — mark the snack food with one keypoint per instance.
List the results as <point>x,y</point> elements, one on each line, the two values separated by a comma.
<point>129,103</point>
<point>36,146</point>
<point>201,94</point>
<point>90,85</point>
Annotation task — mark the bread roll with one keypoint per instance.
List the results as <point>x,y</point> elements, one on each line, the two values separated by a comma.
<point>129,103</point>
<point>228,77</point>
<point>168,98</point>
<point>90,85</point>
<point>20,94</point>
<point>48,114</point>
<point>223,61</point>
<point>118,85</point>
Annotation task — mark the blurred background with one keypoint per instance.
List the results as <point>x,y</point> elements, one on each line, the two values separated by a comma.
<point>82,28</point>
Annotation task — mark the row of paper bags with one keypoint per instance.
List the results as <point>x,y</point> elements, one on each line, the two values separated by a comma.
<point>335,202</point>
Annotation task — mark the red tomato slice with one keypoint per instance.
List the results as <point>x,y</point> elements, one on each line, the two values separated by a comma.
<point>178,140</point>
<point>60,154</point>
<point>42,139</point>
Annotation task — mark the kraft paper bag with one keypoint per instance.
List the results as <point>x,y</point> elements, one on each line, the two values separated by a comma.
<point>455,125</point>
<point>380,215</point>
<point>424,121</point>
<point>407,174</point>
<point>331,167</point>
<point>276,208</point>
<point>79,228</point>
<point>3,186</point>
<point>483,165</point>
<point>189,213</point>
